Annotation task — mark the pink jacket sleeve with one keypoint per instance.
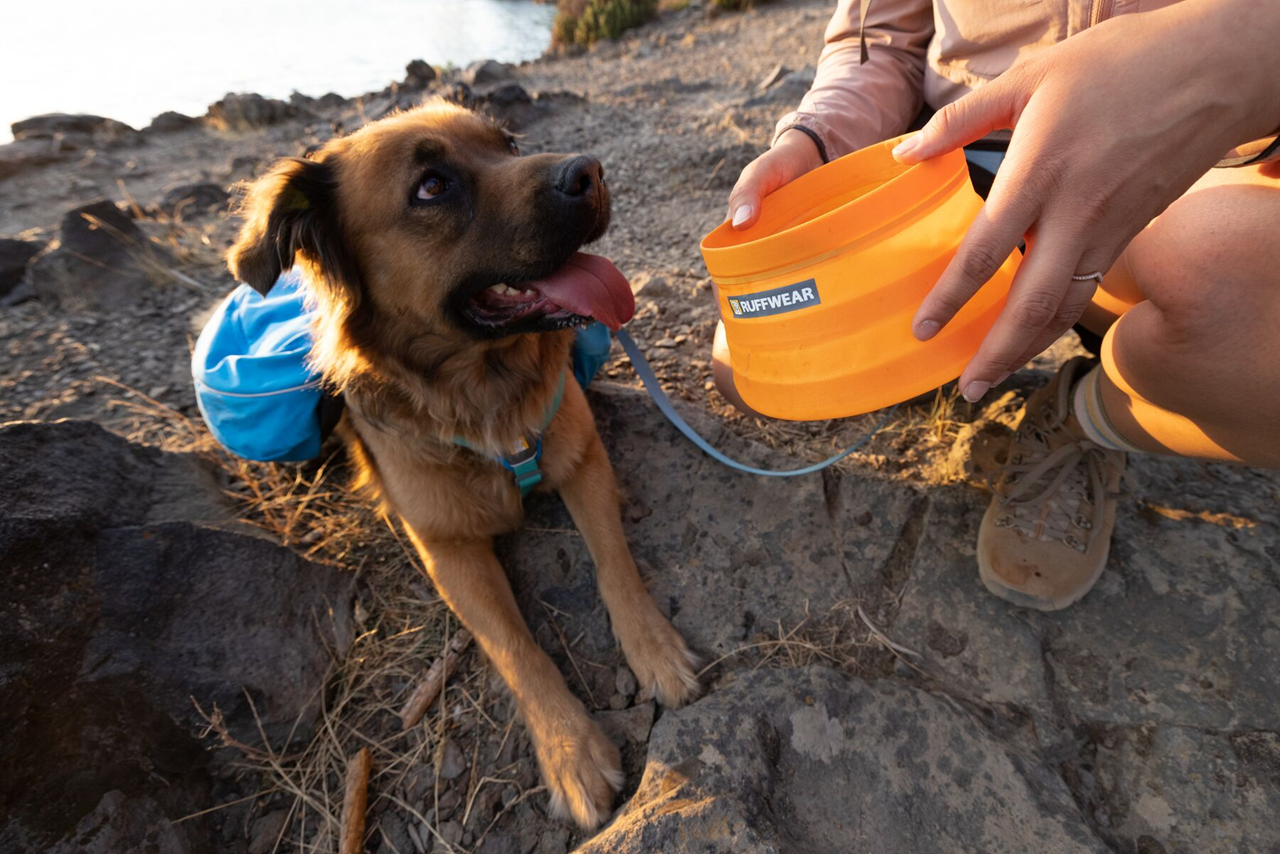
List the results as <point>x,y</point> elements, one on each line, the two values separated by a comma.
<point>853,104</point>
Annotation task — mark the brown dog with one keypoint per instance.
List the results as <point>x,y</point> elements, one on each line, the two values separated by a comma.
<point>447,274</point>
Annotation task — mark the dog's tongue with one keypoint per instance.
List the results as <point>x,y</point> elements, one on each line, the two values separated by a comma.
<point>591,286</point>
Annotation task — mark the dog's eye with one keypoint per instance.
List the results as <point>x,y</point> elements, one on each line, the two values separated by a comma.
<point>515,149</point>
<point>432,186</point>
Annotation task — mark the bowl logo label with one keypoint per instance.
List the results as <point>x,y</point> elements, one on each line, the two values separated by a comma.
<point>776,301</point>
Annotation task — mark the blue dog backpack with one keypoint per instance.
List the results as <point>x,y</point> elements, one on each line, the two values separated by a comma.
<point>257,390</point>
<point>254,385</point>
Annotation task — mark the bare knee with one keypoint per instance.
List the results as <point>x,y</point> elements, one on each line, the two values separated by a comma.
<point>1209,268</point>
<point>1210,264</point>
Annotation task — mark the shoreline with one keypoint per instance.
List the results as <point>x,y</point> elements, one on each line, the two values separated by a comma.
<point>292,105</point>
<point>134,68</point>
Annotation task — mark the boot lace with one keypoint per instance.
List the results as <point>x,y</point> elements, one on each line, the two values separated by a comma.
<point>1053,486</point>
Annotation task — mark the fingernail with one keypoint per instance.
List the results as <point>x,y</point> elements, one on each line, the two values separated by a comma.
<point>741,215</point>
<point>926,329</point>
<point>975,390</point>
<point>907,146</point>
<point>1003,377</point>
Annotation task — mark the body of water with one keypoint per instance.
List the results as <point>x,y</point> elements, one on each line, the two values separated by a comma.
<point>133,60</point>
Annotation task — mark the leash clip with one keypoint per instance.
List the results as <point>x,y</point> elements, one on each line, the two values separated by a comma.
<point>523,464</point>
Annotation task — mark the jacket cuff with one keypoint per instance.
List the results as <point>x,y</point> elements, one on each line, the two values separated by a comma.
<point>807,125</point>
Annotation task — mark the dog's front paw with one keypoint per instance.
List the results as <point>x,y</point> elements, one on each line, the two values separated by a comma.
<point>582,770</point>
<point>662,662</point>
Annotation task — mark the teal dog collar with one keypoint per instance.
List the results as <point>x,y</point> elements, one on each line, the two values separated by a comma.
<point>524,460</point>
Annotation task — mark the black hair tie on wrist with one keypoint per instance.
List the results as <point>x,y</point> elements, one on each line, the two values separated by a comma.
<point>817,140</point>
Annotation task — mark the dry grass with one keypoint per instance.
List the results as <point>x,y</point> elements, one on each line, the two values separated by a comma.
<point>191,243</point>
<point>402,627</point>
<point>845,637</point>
<point>939,421</point>
<point>915,443</point>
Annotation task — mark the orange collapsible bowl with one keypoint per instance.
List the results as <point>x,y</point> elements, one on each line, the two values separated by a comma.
<point>817,297</point>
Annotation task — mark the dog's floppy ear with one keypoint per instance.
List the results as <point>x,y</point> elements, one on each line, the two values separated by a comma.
<point>290,210</point>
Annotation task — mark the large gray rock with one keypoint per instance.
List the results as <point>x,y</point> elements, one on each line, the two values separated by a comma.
<point>512,105</point>
<point>419,74</point>
<point>1180,630</point>
<point>726,556</point>
<point>74,132</point>
<point>100,259</point>
<point>249,110</point>
<point>59,137</point>
<point>1180,789</point>
<point>193,200</point>
<point>27,154</point>
<point>1159,688</point>
<point>120,613</point>
<point>332,101</point>
<point>509,103</point>
<point>811,761</point>
<point>1154,699</point>
<point>978,644</point>
<point>486,71</point>
<point>14,257</point>
<point>120,823</point>
<point>171,121</point>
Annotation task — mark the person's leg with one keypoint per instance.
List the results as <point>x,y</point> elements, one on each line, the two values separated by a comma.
<point>1194,368</point>
<point>1191,367</point>
<point>722,373</point>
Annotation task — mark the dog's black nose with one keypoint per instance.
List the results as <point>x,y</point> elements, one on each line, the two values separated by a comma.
<point>579,176</point>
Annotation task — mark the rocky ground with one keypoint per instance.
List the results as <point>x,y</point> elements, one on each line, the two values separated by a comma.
<point>864,692</point>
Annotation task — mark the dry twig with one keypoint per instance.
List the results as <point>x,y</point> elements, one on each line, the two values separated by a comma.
<point>883,638</point>
<point>353,802</point>
<point>441,669</point>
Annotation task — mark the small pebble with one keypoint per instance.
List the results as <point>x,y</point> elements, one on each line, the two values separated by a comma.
<point>452,762</point>
<point>451,832</point>
<point>625,682</point>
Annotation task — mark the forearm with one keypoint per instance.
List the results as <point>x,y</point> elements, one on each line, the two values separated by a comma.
<point>1237,41</point>
<point>853,103</point>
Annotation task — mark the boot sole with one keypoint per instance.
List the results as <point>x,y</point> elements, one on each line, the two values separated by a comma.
<point>997,587</point>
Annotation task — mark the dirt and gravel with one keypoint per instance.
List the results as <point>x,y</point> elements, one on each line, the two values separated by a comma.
<point>1144,719</point>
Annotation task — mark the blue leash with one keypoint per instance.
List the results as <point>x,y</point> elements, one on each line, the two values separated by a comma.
<point>645,372</point>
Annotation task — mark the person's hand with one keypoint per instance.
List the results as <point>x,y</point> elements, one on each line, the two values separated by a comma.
<point>1110,127</point>
<point>794,155</point>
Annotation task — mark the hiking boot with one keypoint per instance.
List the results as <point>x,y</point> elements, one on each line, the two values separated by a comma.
<point>1045,538</point>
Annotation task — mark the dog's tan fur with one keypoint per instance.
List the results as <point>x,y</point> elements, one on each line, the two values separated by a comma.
<point>414,380</point>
